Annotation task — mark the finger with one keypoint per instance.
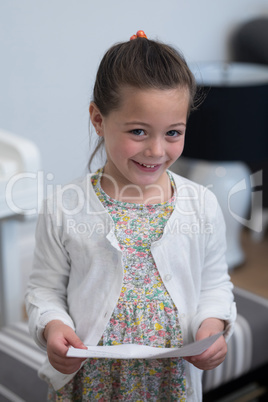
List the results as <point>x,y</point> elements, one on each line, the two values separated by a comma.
<point>65,364</point>
<point>209,356</point>
<point>212,357</point>
<point>66,368</point>
<point>73,340</point>
<point>206,364</point>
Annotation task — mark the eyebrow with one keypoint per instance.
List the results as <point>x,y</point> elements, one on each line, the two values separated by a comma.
<point>145,124</point>
<point>178,124</point>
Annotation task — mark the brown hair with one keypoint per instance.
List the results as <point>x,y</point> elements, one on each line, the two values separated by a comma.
<point>140,63</point>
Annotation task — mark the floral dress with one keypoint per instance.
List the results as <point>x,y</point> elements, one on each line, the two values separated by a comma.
<point>145,314</point>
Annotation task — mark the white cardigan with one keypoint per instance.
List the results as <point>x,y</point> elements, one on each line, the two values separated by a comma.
<point>77,272</point>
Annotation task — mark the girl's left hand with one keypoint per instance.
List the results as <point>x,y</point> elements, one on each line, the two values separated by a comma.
<point>216,353</point>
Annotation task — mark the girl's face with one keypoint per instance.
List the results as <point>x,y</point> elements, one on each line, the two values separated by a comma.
<point>144,136</point>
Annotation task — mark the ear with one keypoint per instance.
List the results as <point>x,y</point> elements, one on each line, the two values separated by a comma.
<point>96,118</point>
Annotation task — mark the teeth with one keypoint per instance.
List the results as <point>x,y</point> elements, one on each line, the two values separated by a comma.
<point>148,166</point>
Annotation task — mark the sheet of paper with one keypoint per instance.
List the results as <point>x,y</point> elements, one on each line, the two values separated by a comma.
<point>133,351</point>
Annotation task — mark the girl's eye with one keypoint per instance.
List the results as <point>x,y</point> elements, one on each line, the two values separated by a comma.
<point>173,133</point>
<point>138,132</point>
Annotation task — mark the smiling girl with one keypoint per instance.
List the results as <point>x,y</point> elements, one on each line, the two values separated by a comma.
<point>141,280</point>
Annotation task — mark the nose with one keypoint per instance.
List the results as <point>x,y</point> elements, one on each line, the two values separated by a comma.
<point>155,148</point>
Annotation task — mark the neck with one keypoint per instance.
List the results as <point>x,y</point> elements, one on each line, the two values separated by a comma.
<point>132,193</point>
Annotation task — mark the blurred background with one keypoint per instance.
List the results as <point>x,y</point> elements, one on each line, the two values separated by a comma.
<point>49,53</point>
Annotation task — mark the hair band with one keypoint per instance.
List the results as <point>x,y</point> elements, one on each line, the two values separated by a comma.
<point>139,34</point>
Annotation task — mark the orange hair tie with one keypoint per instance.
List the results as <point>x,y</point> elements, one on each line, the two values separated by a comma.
<point>139,34</point>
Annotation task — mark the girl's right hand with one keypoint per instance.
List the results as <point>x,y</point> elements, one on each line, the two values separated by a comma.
<point>59,338</point>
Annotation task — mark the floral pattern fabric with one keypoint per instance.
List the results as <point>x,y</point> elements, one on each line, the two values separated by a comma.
<point>145,314</point>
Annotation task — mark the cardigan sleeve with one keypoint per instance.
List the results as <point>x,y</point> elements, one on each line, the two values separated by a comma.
<point>216,294</point>
<point>46,294</point>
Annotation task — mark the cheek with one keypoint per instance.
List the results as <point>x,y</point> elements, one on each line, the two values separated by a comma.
<point>176,149</point>
<point>121,150</point>
<point>129,148</point>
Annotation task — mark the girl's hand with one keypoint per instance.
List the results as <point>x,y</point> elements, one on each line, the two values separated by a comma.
<point>216,353</point>
<point>59,338</point>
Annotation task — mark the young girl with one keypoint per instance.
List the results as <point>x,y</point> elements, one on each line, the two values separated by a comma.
<point>132,253</point>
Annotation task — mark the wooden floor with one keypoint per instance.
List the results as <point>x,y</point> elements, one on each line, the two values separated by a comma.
<point>253,274</point>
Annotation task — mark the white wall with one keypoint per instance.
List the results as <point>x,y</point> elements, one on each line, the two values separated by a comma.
<point>49,52</point>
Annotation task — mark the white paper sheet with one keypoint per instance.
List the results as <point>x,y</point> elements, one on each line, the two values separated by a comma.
<point>133,351</point>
